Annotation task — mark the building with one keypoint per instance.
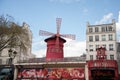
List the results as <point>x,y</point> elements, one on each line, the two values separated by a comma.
<point>118,42</point>
<point>118,55</point>
<point>101,35</point>
<point>28,53</point>
<point>102,68</point>
<point>21,54</point>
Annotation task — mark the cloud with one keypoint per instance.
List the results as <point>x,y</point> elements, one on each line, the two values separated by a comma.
<point>65,1</point>
<point>71,48</point>
<point>74,48</point>
<point>118,26</point>
<point>38,48</point>
<point>119,17</point>
<point>106,18</point>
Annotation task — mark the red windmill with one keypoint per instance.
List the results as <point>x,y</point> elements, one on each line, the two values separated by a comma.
<point>55,42</point>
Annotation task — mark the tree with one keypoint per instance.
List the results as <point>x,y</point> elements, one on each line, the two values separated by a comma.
<point>12,35</point>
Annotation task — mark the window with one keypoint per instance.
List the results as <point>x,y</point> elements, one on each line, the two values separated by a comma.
<point>91,50</point>
<point>110,37</point>
<point>111,47</point>
<point>110,28</point>
<point>106,29</point>
<point>118,47</point>
<point>104,45</point>
<point>103,29</point>
<point>103,38</point>
<point>91,47</point>
<point>112,57</point>
<point>96,29</point>
<point>90,38</point>
<point>90,30</point>
<point>55,50</point>
<point>96,38</point>
<point>91,57</point>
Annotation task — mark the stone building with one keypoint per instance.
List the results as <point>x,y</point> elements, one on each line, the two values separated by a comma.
<point>101,35</point>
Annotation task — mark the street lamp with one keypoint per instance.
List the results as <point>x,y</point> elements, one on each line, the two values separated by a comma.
<point>10,74</point>
<point>12,55</point>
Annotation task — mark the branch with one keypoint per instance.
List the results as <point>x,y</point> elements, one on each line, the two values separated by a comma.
<point>6,43</point>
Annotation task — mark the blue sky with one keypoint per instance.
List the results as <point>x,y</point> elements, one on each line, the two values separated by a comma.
<point>42,14</point>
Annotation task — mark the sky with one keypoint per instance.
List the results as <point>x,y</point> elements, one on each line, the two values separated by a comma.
<point>42,14</point>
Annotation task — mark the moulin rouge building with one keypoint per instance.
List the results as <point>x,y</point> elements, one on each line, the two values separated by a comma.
<point>100,63</point>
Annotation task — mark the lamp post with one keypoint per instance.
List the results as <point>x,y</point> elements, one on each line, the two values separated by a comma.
<point>10,73</point>
<point>12,55</point>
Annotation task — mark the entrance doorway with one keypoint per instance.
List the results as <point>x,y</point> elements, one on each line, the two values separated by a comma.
<point>103,74</point>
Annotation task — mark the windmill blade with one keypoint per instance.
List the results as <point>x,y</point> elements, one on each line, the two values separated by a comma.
<point>58,24</point>
<point>45,33</point>
<point>70,36</point>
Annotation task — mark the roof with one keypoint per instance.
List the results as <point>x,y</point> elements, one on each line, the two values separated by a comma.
<point>54,37</point>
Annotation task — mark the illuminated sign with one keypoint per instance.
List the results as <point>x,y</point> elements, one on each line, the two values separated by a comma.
<point>103,63</point>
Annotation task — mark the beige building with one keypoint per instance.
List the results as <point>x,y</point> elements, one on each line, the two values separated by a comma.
<point>101,35</point>
<point>21,54</point>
